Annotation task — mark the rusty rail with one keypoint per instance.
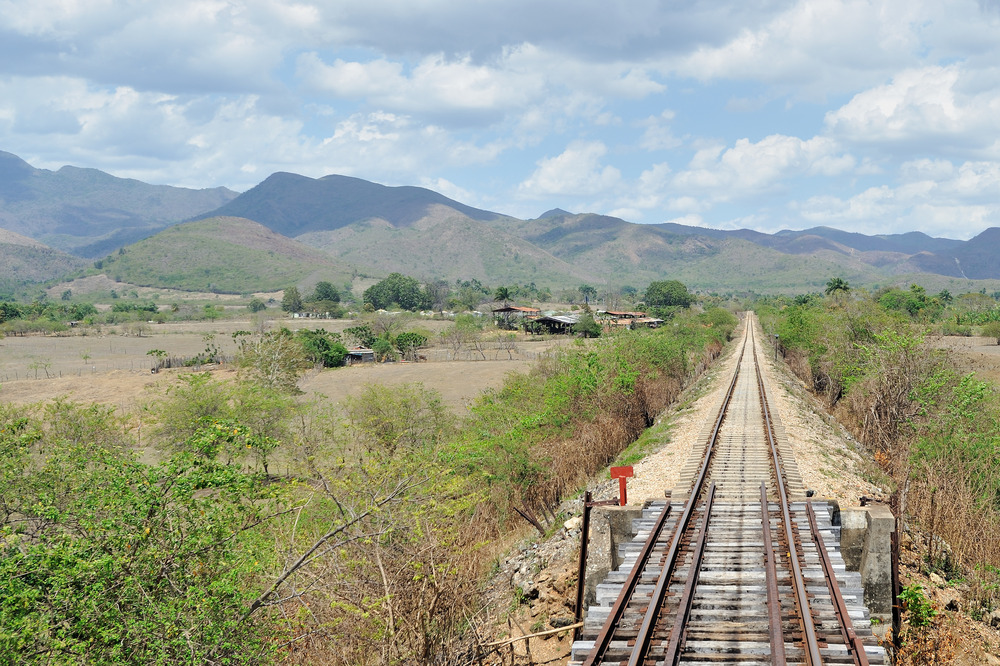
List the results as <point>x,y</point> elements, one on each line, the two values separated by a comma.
<point>777,636</point>
<point>851,639</point>
<point>798,579</point>
<point>687,598</point>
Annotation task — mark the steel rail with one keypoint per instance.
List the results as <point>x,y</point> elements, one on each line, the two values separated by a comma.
<point>851,639</point>
<point>771,573</point>
<point>645,634</point>
<point>812,654</point>
<point>604,638</point>
<point>678,631</point>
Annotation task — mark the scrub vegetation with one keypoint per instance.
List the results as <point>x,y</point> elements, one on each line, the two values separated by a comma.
<point>934,432</point>
<point>240,523</point>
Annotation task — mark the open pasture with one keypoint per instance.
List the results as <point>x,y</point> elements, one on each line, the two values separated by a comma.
<point>109,368</point>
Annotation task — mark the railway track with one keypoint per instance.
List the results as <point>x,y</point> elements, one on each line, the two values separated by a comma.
<point>739,566</point>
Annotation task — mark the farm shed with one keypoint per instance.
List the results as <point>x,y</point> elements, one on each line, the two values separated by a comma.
<point>645,322</point>
<point>511,316</point>
<point>359,355</point>
<point>555,324</point>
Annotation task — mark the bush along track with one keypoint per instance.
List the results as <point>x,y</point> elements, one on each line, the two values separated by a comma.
<point>368,546</point>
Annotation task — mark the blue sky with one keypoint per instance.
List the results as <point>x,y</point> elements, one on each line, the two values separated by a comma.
<point>874,116</point>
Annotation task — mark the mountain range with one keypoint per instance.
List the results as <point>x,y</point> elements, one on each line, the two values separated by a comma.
<point>291,229</point>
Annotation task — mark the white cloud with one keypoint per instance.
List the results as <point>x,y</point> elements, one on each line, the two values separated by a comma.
<point>450,190</point>
<point>592,30</point>
<point>922,109</point>
<point>435,84</point>
<point>576,171</point>
<point>817,48</point>
<point>658,134</point>
<point>749,169</point>
<point>934,196</point>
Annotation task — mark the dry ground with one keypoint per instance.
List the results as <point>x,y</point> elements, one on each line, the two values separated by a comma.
<point>973,354</point>
<point>108,368</point>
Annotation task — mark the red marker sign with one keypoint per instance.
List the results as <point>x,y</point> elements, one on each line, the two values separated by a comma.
<point>621,473</point>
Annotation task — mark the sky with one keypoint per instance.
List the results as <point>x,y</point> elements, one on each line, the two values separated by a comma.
<point>877,116</point>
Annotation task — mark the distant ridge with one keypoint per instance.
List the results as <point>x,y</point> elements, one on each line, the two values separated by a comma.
<point>91,213</point>
<point>290,229</point>
<point>293,205</point>
<point>976,259</point>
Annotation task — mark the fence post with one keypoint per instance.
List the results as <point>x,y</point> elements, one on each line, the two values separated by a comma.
<point>582,569</point>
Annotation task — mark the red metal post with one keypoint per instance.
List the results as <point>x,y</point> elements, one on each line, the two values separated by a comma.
<point>621,473</point>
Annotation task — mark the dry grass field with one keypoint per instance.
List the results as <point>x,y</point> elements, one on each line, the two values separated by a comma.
<point>973,354</point>
<point>113,369</point>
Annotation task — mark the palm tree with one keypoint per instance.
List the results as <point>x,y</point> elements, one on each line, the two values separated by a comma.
<point>502,294</point>
<point>837,284</point>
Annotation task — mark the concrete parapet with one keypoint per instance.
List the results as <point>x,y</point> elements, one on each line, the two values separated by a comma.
<point>609,527</point>
<point>865,542</point>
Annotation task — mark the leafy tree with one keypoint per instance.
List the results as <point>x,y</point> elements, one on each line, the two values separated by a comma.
<point>159,355</point>
<point>992,330</point>
<point>323,347</point>
<point>397,289</point>
<point>914,302</point>
<point>394,419</point>
<point>256,305</point>
<point>668,293</point>
<point>589,293</point>
<point>467,298</point>
<point>325,291</point>
<point>501,295</point>
<point>362,334</point>
<point>437,292</point>
<point>273,359</point>
<point>384,350</point>
<point>409,342</point>
<point>587,326</point>
<point>291,301</point>
<point>108,560</point>
<point>9,310</point>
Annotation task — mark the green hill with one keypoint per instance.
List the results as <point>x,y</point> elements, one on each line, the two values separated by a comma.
<point>637,254</point>
<point>223,255</point>
<point>24,261</point>
<point>448,245</point>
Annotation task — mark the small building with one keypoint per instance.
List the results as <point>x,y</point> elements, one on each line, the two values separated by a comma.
<point>645,322</point>
<point>511,316</point>
<point>623,314</point>
<point>555,324</point>
<point>612,319</point>
<point>359,355</point>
